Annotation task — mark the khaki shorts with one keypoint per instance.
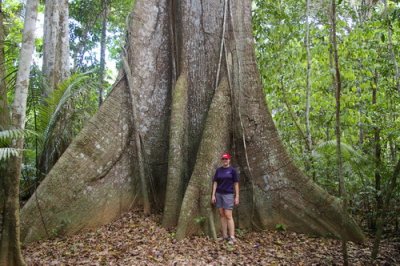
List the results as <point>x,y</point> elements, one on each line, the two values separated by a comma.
<point>224,201</point>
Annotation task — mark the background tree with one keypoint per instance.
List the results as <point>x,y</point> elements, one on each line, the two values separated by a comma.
<point>105,6</point>
<point>4,117</point>
<point>8,26</point>
<point>55,69</point>
<point>55,66</point>
<point>337,81</point>
<point>363,46</point>
<point>10,252</point>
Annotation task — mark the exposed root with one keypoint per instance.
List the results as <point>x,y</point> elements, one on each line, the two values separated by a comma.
<point>196,205</point>
<point>139,148</point>
<point>177,152</point>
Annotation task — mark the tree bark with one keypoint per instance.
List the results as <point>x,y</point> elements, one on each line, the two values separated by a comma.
<point>56,69</point>
<point>208,47</point>
<point>55,43</point>
<point>103,41</point>
<point>177,158</point>
<point>10,251</point>
<point>4,113</point>
<point>309,144</point>
<point>377,154</point>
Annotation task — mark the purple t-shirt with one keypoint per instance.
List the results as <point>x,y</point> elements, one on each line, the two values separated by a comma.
<point>225,178</point>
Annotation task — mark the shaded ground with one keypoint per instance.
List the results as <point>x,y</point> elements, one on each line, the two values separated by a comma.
<point>138,240</point>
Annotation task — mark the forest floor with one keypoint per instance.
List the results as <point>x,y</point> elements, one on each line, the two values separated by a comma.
<point>135,239</point>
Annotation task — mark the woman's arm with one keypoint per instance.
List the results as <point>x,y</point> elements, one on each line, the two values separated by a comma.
<point>214,188</point>
<point>236,185</point>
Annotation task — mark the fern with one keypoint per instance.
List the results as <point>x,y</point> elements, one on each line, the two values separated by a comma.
<point>7,135</point>
<point>7,153</point>
<point>5,138</point>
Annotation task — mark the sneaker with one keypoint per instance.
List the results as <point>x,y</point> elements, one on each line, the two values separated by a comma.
<point>223,238</point>
<point>231,240</point>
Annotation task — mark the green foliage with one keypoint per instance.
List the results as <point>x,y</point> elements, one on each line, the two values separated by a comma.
<point>75,97</point>
<point>200,220</point>
<point>366,65</point>
<point>280,227</point>
<point>7,153</point>
<point>6,136</point>
<point>74,88</point>
<point>86,25</point>
<point>240,232</point>
<point>13,23</point>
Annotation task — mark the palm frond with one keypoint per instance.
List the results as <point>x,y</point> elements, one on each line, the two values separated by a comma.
<point>357,161</point>
<point>348,150</point>
<point>72,87</point>
<point>52,112</point>
<point>7,153</point>
<point>9,134</point>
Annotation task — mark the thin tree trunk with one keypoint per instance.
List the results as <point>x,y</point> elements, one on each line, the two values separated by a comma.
<point>10,250</point>
<point>360,124</point>
<point>4,112</point>
<point>382,214</point>
<point>309,146</point>
<point>103,40</point>
<point>377,155</point>
<point>339,163</point>
<point>291,113</point>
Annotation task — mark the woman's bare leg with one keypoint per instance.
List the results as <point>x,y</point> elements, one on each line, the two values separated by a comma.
<point>230,223</point>
<point>224,225</point>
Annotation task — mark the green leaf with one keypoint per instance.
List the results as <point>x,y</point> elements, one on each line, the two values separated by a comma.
<point>7,153</point>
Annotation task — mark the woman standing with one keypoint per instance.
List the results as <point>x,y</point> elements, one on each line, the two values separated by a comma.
<point>225,194</point>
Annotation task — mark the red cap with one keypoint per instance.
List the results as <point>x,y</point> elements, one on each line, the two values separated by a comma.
<point>226,156</point>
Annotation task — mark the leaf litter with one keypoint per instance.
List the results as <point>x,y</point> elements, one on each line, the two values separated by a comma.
<point>136,239</point>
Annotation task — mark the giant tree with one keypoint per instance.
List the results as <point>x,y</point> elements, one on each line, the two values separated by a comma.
<point>189,90</point>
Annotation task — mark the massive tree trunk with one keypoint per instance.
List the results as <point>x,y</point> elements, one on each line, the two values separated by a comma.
<point>10,251</point>
<point>192,75</point>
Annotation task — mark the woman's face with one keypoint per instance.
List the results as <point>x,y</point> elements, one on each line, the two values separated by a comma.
<point>225,162</point>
